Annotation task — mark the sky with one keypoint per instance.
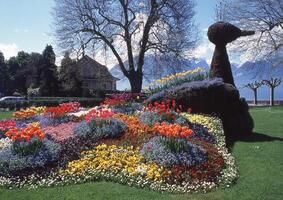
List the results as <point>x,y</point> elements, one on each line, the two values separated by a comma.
<point>26,25</point>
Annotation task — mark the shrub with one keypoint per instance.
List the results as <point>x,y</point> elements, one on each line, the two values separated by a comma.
<point>127,108</point>
<point>150,117</point>
<point>107,128</point>
<point>173,151</point>
<point>82,129</point>
<point>26,148</point>
<point>49,101</point>
<point>10,161</point>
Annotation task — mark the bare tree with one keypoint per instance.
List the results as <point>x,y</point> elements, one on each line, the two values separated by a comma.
<point>254,86</point>
<point>263,16</point>
<point>272,83</point>
<point>129,29</point>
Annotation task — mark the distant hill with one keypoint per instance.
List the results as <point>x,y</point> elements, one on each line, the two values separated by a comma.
<point>243,74</point>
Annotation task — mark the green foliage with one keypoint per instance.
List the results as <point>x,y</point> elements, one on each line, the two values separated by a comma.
<point>4,77</point>
<point>175,145</point>
<point>106,128</point>
<point>25,70</point>
<point>49,75</point>
<point>25,148</point>
<point>70,77</point>
<point>49,101</point>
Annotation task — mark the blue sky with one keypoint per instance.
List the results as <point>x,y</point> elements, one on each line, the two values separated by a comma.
<point>26,25</point>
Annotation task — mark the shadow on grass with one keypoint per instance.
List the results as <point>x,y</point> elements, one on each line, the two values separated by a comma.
<point>253,137</point>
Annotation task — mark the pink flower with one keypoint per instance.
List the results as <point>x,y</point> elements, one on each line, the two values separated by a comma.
<point>62,131</point>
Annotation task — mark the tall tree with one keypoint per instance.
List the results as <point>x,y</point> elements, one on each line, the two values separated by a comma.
<point>263,16</point>
<point>49,75</point>
<point>3,75</point>
<point>70,77</point>
<point>254,86</point>
<point>136,27</point>
<point>23,60</point>
<point>35,67</point>
<point>17,71</point>
<point>272,83</point>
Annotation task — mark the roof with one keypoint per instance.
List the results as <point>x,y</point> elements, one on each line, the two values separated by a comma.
<point>93,69</point>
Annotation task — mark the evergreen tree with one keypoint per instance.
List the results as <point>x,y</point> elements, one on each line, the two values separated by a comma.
<point>49,75</point>
<point>70,77</point>
<point>4,78</point>
<point>23,72</point>
<point>35,66</point>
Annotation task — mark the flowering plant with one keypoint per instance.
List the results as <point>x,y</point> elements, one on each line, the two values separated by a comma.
<point>172,130</point>
<point>23,114</point>
<point>60,132</point>
<point>120,99</point>
<point>5,125</point>
<point>176,79</point>
<point>115,159</point>
<point>25,134</point>
<point>28,113</point>
<point>103,114</point>
<point>62,109</point>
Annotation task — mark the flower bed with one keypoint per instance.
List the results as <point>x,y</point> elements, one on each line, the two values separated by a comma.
<point>154,147</point>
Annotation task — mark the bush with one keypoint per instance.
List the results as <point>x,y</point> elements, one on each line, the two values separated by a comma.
<point>25,148</point>
<point>106,128</point>
<point>11,161</point>
<point>172,151</point>
<point>49,101</point>
<point>151,117</point>
<point>127,108</point>
<point>100,128</point>
<point>82,129</point>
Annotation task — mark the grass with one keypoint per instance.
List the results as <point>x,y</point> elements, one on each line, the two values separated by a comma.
<point>260,163</point>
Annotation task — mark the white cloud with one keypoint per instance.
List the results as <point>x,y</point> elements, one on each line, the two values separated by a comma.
<point>18,30</point>
<point>204,50</point>
<point>9,50</point>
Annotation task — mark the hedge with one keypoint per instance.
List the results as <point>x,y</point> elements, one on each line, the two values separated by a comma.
<point>49,101</point>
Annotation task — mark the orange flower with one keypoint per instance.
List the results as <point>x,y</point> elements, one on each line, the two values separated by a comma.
<point>25,134</point>
<point>172,130</point>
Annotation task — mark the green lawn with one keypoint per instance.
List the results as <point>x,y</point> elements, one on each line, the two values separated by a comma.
<point>260,164</point>
<point>4,115</point>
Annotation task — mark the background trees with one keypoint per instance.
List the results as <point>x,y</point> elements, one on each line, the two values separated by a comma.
<point>29,71</point>
<point>263,16</point>
<point>272,83</point>
<point>254,86</point>
<point>70,77</point>
<point>49,76</point>
<point>4,77</point>
<point>127,28</point>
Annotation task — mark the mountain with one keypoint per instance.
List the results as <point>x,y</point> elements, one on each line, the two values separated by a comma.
<point>162,68</point>
<point>243,74</point>
<point>257,71</point>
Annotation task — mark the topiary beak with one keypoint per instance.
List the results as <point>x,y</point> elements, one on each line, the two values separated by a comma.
<point>247,33</point>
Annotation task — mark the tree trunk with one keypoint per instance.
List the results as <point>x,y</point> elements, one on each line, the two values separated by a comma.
<point>135,79</point>
<point>272,96</point>
<point>255,97</point>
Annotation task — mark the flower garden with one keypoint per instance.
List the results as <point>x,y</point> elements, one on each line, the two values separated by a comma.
<point>124,140</point>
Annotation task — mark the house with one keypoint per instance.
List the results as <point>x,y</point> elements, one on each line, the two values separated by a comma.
<point>95,76</point>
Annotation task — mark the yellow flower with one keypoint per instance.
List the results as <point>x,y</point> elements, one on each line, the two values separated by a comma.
<point>115,159</point>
